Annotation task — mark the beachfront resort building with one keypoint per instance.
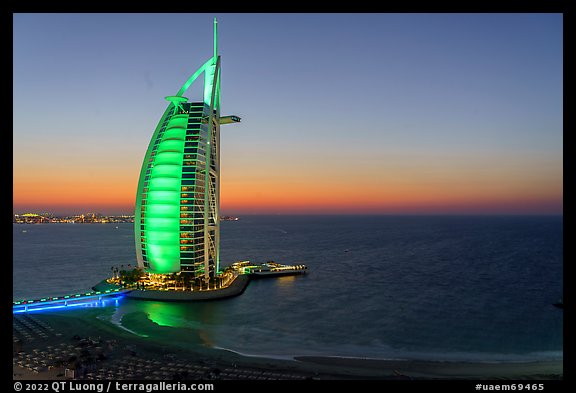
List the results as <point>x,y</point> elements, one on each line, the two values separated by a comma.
<point>177,217</point>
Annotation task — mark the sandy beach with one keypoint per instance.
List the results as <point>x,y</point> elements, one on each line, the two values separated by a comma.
<point>445,370</point>
<point>145,350</point>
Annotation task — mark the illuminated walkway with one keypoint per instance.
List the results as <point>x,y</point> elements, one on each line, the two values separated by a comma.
<point>100,298</point>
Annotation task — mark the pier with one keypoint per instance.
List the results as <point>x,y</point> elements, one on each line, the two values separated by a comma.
<point>268,269</point>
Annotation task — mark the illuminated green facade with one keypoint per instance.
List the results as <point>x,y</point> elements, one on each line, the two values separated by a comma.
<point>177,218</point>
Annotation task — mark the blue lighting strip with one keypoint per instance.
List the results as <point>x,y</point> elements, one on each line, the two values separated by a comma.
<point>108,292</point>
<point>50,306</point>
<point>87,300</point>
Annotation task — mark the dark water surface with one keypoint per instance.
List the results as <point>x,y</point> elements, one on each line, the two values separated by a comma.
<point>423,287</point>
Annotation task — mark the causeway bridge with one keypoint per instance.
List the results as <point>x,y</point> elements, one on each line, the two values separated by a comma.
<point>93,298</point>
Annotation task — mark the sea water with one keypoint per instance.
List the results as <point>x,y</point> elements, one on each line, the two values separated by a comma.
<point>476,288</point>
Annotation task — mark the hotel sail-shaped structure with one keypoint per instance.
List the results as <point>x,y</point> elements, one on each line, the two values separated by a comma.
<point>177,217</point>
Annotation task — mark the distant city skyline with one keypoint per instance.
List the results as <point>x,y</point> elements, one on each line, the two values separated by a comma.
<point>341,113</point>
<point>51,217</point>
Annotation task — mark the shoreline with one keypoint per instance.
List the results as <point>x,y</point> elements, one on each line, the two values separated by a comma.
<point>139,338</point>
<point>424,369</point>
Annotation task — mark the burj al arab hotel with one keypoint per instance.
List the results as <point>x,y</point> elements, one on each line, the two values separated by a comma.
<point>177,214</point>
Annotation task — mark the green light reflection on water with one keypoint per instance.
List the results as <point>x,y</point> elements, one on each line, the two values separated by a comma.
<point>192,322</point>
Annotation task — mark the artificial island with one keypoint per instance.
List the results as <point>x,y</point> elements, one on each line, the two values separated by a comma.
<point>177,213</point>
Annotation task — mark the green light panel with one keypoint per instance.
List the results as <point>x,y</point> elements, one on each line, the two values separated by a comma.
<point>161,211</point>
